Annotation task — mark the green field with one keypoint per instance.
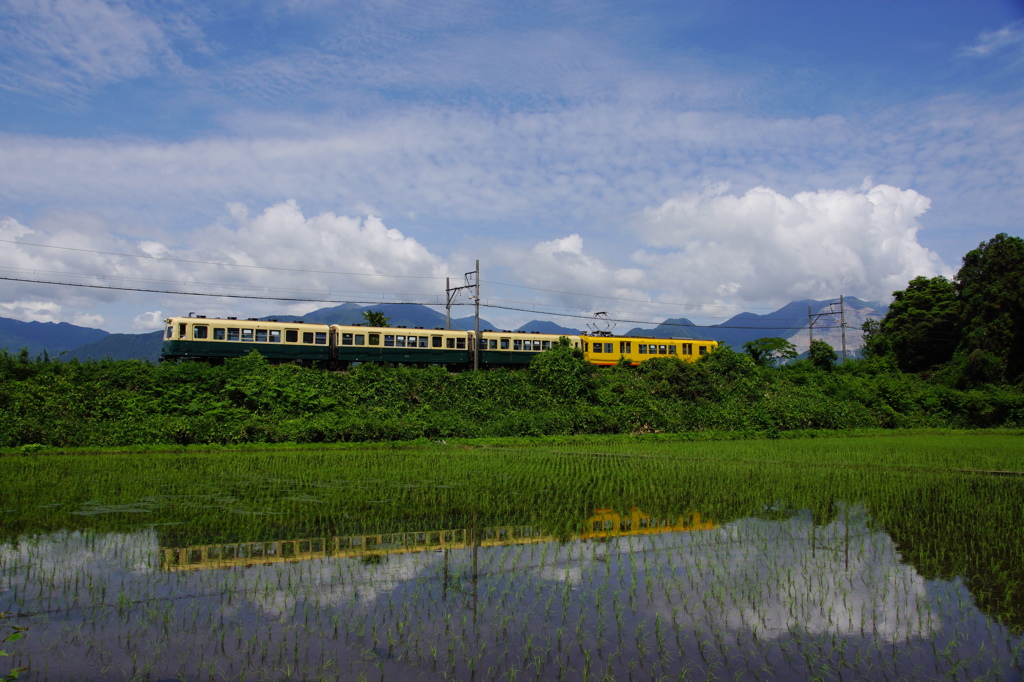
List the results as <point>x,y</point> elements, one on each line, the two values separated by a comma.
<point>888,555</point>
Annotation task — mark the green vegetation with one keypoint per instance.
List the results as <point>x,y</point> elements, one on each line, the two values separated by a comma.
<point>769,351</point>
<point>887,556</point>
<point>970,331</point>
<point>376,318</point>
<point>248,400</point>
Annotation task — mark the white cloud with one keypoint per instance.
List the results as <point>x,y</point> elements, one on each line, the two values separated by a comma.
<point>764,246</point>
<point>990,42</point>
<point>87,320</point>
<point>67,44</point>
<point>279,253</point>
<point>147,322</point>
<point>31,311</point>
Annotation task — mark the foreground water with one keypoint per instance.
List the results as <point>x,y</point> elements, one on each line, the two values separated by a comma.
<point>844,590</point>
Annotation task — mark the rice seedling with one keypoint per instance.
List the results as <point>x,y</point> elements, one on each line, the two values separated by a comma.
<point>817,559</point>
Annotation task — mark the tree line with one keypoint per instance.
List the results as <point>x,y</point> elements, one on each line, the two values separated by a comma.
<point>968,331</point>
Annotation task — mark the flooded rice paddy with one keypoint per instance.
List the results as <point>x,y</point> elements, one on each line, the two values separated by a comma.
<point>883,558</point>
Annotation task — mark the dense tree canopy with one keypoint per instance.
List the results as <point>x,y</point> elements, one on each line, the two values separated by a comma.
<point>767,351</point>
<point>990,291</point>
<point>973,327</point>
<point>921,328</point>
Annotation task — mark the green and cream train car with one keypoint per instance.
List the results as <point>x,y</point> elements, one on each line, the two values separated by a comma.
<point>338,346</point>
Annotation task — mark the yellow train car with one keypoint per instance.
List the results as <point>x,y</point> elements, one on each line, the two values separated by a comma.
<point>609,350</point>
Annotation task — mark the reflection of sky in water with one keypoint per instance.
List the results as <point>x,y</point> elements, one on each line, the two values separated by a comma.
<point>751,599</point>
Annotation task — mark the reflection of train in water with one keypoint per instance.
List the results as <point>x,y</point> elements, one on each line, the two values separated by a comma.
<point>335,345</point>
<point>604,524</point>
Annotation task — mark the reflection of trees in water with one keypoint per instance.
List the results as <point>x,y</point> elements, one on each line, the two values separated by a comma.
<point>967,527</point>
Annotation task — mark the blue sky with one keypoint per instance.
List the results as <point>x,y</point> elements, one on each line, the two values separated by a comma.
<point>655,159</point>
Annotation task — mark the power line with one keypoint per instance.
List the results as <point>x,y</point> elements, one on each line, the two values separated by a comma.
<point>327,300</point>
<point>365,274</point>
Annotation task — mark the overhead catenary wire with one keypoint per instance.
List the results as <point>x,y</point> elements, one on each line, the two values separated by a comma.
<point>369,274</point>
<point>295,299</point>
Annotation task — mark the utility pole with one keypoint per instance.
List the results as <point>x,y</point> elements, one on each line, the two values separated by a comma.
<point>476,332</point>
<point>473,284</point>
<point>813,319</point>
<point>842,323</point>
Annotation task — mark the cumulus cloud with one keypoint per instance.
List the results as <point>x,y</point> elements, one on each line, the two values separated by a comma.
<point>566,276</point>
<point>278,253</point>
<point>31,311</point>
<point>763,245</point>
<point>147,322</point>
<point>87,320</point>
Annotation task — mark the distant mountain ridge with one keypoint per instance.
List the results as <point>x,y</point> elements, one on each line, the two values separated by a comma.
<point>67,341</point>
<point>50,337</point>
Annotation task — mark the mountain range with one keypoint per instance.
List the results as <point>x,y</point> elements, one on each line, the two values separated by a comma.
<point>66,341</point>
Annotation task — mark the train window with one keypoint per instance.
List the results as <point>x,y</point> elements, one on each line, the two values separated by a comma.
<point>662,350</point>
<point>232,333</point>
<point>247,336</point>
<point>399,341</point>
<point>346,339</point>
<point>545,345</point>
<point>608,348</point>
<point>307,337</point>
<point>460,343</point>
<point>170,332</point>
<point>492,344</point>
<point>505,344</point>
<point>517,344</point>
<point>181,329</point>
<point>672,349</point>
<point>261,336</point>
<point>389,340</point>
<point>702,350</point>
<point>687,349</point>
<point>321,338</point>
<point>451,343</point>
<point>435,341</point>
<point>374,339</point>
<point>424,342</point>
<point>199,331</point>
<point>360,339</point>
<point>625,346</point>
<point>291,335</point>
<point>482,344</point>
<point>643,349</point>
<point>275,336</point>
<point>218,334</point>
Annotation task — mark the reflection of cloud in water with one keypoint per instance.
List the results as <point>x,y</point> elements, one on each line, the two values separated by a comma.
<point>115,560</point>
<point>791,575</point>
<point>774,577</point>
<point>767,587</point>
<point>336,581</point>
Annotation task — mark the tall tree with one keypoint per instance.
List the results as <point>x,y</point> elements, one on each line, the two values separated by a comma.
<point>990,289</point>
<point>376,318</point>
<point>822,355</point>
<point>767,351</point>
<point>920,330</point>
